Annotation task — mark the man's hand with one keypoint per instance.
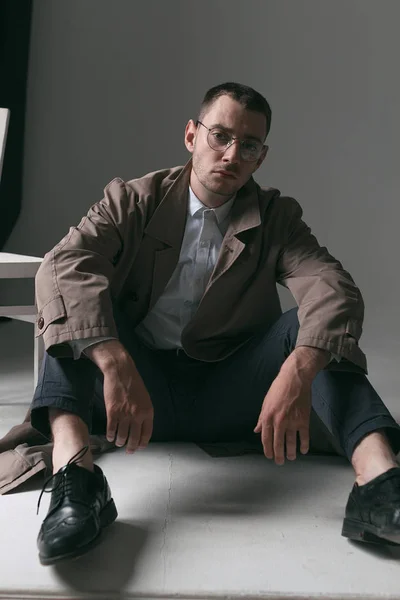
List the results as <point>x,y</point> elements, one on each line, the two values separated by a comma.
<point>285,411</point>
<point>287,406</point>
<point>130,412</point>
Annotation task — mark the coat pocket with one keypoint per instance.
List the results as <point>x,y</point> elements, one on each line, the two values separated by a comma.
<point>51,312</point>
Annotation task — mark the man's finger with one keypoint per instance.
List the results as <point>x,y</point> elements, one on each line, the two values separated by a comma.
<point>304,433</point>
<point>291,441</point>
<point>279,444</point>
<point>134,436</point>
<point>122,433</point>
<point>267,439</point>
<point>147,431</point>
<point>112,424</point>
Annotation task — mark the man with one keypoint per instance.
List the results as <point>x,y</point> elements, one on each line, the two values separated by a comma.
<point>162,304</point>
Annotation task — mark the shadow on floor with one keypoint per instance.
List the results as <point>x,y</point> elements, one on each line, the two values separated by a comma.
<point>110,566</point>
<point>377,550</point>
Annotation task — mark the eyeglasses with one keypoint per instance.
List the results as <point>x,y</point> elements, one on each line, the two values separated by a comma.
<point>219,140</point>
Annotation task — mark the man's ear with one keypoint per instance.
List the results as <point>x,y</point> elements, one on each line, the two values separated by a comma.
<point>261,159</point>
<point>190,135</point>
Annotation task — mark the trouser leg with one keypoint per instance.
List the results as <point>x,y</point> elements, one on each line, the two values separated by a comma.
<point>66,384</point>
<point>76,386</point>
<point>230,401</point>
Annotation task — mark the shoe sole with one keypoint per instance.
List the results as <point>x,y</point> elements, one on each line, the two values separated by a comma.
<point>364,532</point>
<point>107,516</point>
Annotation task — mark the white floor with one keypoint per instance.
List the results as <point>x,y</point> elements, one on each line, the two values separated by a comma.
<point>193,526</point>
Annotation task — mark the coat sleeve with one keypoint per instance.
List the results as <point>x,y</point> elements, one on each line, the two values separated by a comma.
<point>73,282</point>
<point>330,305</point>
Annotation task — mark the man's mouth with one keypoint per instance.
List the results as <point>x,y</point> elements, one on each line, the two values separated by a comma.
<point>226,174</point>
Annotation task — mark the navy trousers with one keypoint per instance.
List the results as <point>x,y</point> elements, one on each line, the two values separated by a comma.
<point>196,401</point>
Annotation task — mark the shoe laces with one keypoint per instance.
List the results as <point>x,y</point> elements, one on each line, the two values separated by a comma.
<point>62,482</point>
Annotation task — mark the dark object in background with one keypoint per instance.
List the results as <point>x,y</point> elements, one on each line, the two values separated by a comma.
<point>15,26</point>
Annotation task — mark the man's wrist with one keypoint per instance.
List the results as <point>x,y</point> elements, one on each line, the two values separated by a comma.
<point>307,362</point>
<point>106,355</point>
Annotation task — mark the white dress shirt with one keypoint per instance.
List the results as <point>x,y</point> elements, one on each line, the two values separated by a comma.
<point>204,231</point>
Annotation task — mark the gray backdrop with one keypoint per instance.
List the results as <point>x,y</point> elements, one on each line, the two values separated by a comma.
<point>112,84</point>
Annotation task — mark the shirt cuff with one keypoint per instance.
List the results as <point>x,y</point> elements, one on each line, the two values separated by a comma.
<point>79,346</point>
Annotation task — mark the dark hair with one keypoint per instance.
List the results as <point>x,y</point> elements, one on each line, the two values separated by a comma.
<point>247,96</point>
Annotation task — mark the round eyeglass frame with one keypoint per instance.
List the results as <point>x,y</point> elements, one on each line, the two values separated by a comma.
<point>231,141</point>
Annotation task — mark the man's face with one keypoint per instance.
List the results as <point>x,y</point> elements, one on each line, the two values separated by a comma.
<point>222,173</point>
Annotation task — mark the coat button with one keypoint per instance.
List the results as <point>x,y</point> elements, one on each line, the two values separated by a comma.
<point>40,323</point>
<point>134,297</point>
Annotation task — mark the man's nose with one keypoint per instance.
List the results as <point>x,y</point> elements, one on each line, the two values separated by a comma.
<point>232,153</point>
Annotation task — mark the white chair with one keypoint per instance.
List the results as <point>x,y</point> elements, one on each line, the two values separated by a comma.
<point>17,266</point>
<point>4,118</point>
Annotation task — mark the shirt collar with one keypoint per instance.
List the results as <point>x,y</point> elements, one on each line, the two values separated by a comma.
<point>221,212</point>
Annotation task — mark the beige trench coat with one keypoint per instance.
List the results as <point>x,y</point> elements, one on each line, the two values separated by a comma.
<point>126,249</point>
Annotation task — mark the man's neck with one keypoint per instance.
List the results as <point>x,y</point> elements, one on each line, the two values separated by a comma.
<point>206,197</point>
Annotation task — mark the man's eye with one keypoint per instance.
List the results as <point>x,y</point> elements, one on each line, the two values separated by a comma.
<point>220,136</point>
<point>249,146</point>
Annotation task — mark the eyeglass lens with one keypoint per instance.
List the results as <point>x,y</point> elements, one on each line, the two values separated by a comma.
<point>220,140</point>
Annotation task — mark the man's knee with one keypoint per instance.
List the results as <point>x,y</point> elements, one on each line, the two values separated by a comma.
<point>292,316</point>
<point>123,323</point>
<point>290,322</point>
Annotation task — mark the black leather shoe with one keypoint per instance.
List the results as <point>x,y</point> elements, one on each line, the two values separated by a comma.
<point>373,510</point>
<point>81,505</point>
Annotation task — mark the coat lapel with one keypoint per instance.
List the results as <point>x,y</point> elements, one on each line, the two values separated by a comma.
<point>167,225</point>
<point>245,215</point>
